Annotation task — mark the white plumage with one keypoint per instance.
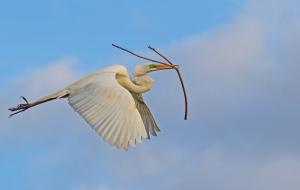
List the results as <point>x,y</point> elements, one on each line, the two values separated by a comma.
<point>109,108</point>
<point>112,103</point>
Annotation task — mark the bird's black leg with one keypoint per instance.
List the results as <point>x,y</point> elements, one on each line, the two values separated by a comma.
<point>24,99</point>
<point>20,108</point>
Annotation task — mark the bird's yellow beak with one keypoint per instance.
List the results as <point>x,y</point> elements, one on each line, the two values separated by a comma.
<point>157,67</point>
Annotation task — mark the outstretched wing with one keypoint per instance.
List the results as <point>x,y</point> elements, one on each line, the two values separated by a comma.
<point>109,108</point>
<point>148,119</point>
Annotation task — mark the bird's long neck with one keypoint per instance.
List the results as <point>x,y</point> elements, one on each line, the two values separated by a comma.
<point>139,84</point>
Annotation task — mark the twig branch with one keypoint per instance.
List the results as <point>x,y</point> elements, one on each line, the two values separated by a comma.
<point>161,55</point>
<point>180,78</point>
<point>139,56</point>
<point>168,63</point>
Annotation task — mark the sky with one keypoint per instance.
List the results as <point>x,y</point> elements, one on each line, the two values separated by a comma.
<point>241,67</point>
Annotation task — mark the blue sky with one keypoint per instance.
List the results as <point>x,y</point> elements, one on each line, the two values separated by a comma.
<point>36,32</point>
<point>241,66</point>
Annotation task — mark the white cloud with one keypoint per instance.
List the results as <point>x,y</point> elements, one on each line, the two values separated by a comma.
<point>220,168</point>
<point>243,127</point>
<point>54,76</point>
<point>242,80</point>
<point>282,173</point>
<point>46,124</point>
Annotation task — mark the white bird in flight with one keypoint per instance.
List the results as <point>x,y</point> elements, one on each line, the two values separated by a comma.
<point>111,103</point>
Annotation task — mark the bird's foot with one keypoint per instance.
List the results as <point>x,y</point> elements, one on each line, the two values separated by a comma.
<point>20,108</point>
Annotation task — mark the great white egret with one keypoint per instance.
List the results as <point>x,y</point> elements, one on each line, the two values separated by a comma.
<point>111,102</point>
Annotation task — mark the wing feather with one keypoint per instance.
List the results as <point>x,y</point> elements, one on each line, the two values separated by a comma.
<point>147,117</point>
<point>109,108</point>
<point>118,132</point>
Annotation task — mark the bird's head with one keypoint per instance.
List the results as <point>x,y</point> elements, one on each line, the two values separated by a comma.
<point>146,68</point>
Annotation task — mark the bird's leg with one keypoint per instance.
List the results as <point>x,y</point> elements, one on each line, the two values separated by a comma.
<point>24,99</point>
<point>20,108</point>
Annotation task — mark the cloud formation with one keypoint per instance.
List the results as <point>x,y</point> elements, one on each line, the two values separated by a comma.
<point>243,80</point>
<point>242,133</point>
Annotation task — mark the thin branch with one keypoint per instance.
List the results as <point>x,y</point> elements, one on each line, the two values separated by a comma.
<point>161,55</point>
<point>139,56</point>
<point>168,63</point>
<point>180,78</point>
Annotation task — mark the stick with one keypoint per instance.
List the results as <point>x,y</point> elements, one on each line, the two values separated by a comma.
<point>139,56</point>
<point>180,78</point>
<point>169,63</point>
